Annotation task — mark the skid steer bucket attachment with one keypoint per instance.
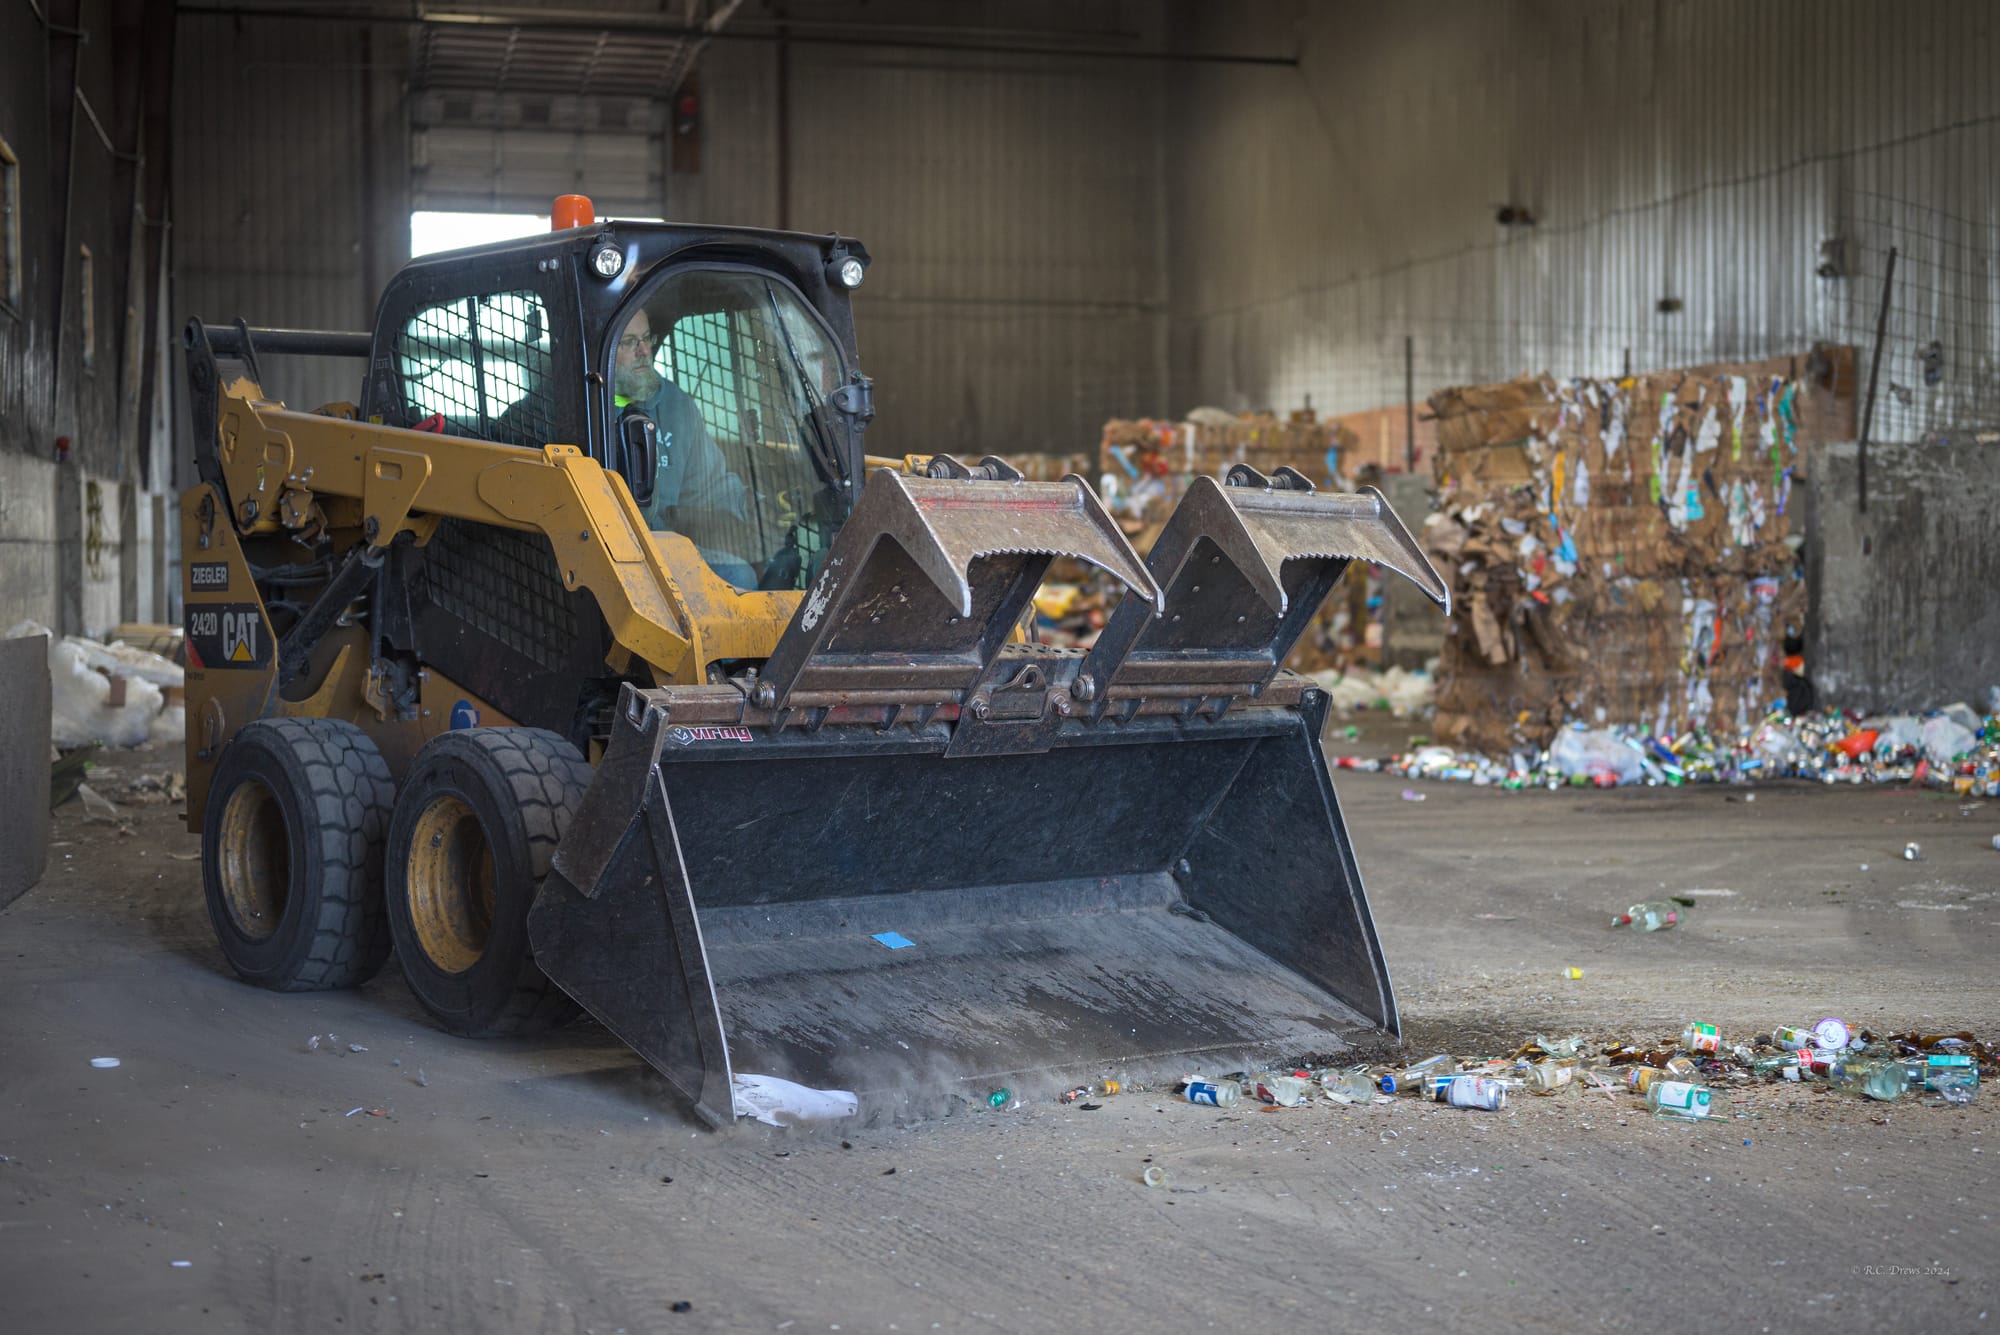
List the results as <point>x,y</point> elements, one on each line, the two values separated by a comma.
<point>913,859</point>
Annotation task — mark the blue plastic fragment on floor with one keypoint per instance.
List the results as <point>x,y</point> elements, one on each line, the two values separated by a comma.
<point>894,940</point>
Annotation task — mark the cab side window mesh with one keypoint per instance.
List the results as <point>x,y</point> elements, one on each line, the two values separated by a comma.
<point>481,366</point>
<point>705,365</point>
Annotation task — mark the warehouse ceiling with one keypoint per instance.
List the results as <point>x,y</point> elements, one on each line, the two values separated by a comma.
<point>511,106</point>
<point>621,48</point>
<point>511,103</point>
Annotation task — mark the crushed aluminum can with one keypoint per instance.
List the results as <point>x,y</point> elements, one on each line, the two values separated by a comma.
<point>1472,1091</point>
<point>1208,1092</point>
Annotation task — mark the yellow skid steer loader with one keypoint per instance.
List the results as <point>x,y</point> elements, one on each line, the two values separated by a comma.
<point>589,660</point>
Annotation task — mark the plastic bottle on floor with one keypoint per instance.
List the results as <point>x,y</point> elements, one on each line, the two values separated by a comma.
<point>1655,916</point>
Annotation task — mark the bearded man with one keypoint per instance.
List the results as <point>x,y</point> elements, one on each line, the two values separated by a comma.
<point>694,493</point>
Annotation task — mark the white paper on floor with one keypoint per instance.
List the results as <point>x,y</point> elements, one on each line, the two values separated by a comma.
<point>765,1097</point>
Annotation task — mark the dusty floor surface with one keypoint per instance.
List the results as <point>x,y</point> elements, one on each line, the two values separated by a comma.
<point>550,1185</point>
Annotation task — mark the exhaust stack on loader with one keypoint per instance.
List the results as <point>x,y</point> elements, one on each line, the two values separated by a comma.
<point>588,658</point>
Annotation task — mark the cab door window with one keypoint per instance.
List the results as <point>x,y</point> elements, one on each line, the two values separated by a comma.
<point>734,372</point>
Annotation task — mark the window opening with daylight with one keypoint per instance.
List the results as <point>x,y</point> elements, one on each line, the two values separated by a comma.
<point>481,366</point>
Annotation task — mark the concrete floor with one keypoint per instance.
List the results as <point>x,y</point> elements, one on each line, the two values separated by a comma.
<point>549,1185</point>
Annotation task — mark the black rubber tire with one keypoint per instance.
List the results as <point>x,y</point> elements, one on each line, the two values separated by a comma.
<point>522,786</point>
<point>321,787</point>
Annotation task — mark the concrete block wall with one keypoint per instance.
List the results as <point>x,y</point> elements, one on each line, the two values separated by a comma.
<point>30,564</point>
<point>82,553</point>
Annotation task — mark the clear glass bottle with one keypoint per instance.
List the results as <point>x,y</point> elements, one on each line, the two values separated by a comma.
<point>1287,1091</point>
<point>1678,1098</point>
<point>1883,1081</point>
<point>1355,1086</point>
<point>1548,1076</point>
<point>1934,1071</point>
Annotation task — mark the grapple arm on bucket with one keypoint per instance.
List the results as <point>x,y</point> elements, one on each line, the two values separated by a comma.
<point>927,579</point>
<point>1245,565</point>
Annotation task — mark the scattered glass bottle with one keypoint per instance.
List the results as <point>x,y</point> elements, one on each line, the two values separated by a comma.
<point>1355,1086</point>
<point>1883,1081</point>
<point>1287,1091</point>
<point>1679,1098</point>
<point>1548,1076</point>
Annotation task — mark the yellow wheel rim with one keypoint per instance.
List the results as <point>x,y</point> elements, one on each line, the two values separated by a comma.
<point>450,884</point>
<point>255,860</point>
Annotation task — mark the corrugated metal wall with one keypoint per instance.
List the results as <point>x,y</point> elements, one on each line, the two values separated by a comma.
<point>289,187</point>
<point>1668,148</point>
<point>1014,208</point>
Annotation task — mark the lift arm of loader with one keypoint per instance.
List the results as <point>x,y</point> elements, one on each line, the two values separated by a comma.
<point>279,464</point>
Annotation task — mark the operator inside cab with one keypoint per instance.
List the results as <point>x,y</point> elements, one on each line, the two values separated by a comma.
<point>734,369</point>
<point>694,492</point>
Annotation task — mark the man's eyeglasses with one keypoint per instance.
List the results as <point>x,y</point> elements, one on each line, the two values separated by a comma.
<point>633,342</point>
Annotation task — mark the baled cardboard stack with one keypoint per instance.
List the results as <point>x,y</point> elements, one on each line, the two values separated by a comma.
<point>1625,551</point>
